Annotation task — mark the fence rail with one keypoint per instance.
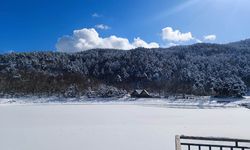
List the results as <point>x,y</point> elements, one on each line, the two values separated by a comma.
<point>235,143</point>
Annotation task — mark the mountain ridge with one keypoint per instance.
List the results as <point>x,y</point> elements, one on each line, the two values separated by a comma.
<point>200,69</point>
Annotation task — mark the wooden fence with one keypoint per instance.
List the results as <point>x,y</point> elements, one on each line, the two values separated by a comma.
<point>224,143</point>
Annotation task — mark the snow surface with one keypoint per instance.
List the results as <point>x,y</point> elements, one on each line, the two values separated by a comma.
<point>113,126</point>
<point>197,102</point>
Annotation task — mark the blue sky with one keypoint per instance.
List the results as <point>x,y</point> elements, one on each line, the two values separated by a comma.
<point>32,25</point>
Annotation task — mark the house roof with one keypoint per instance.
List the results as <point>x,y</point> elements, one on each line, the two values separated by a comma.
<point>144,91</point>
<point>141,91</point>
<point>138,91</point>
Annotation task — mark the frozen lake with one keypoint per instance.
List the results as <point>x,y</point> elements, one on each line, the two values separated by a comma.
<point>113,127</point>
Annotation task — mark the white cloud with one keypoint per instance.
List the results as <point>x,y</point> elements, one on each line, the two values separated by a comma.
<point>209,37</point>
<point>102,26</point>
<point>172,44</point>
<point>138,42</point>
<point>96,15</point>
<point>175,35</point>
<point>198,41</point>
<point>85,39</point>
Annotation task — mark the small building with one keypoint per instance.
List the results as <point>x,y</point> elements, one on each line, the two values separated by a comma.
<point>140,94</point>
<point>136,93</point>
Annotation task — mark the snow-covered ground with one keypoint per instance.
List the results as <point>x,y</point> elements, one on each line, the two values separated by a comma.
<point>197,102</point>
<point>113,126</point>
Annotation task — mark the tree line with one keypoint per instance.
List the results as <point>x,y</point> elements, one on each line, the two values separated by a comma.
<point>199,69</point>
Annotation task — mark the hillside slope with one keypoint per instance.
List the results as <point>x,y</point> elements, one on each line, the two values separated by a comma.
<point>200,69</point>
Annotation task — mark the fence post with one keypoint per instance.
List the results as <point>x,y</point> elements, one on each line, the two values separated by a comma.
<point>177,142</point>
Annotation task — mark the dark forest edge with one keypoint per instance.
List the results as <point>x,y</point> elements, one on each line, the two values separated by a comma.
<point>221,70</point>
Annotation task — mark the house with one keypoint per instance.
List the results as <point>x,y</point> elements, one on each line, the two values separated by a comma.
<point>136,93</point>
<point>140,94</point>
<point>145,94</point>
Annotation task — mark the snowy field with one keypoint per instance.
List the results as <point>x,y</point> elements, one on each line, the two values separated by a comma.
<point>113,126</point>
<point>197,102</point>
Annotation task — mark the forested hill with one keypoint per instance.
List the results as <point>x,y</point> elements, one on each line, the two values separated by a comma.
<point>200,69</point>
